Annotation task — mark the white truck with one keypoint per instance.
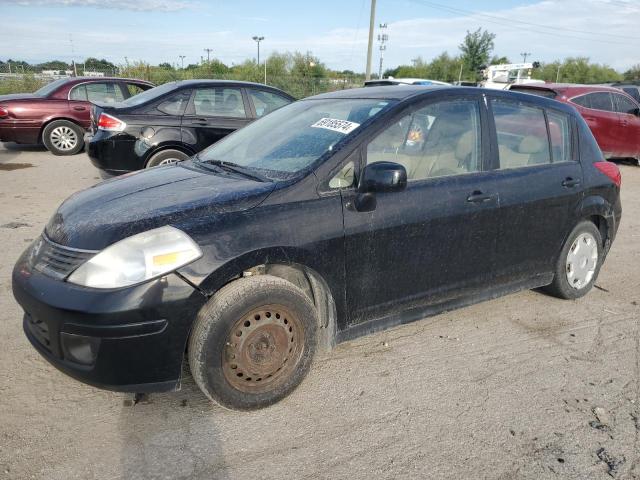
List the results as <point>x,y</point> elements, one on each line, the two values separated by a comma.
<point>500,77</point>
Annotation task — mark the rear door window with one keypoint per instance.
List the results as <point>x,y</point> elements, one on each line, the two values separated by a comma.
<point>560,134</point>
<point>601,101</point>
<point>266,102</point>
<point>625,105</point>
<point>219,102</point>
<point>174,104</point>
<point>134,88</point>
<point>107,92</point>
<point>522,134</point>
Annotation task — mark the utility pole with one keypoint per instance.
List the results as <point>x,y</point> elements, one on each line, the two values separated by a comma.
<point>524,56</point>
<point>382,38</point>
<point>208,50</point>
<point>73,54</point>
<point>558,74</point>
<point>182,57</point>
<point>372,21</point>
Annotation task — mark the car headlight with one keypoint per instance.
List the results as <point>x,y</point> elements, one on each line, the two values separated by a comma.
<point>137,259</point>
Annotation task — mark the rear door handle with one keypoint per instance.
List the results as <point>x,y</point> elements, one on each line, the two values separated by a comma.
<point>570,182</point>
<point>79,108</point>
<point>200,121</point>
<point>479,197</point>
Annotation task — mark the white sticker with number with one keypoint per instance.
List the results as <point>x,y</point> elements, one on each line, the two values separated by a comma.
<point>342,126</point>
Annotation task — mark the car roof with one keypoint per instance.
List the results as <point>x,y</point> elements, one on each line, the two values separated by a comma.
<point>412,91</point>
<point>237,83</point>
<point>73,80</point>
<point>567,88</point>
<point>384,92</point>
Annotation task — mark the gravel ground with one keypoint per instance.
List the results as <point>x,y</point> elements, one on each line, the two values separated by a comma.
<point>525,386</point>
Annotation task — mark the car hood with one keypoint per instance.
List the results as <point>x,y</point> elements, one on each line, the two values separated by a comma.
<point>173,195</point>
<point>17,96</point>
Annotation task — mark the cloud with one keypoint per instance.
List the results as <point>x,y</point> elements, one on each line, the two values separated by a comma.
<point>603,30</point>
<point>136,5</point>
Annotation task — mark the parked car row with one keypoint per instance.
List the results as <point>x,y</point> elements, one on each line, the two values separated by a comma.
<point>330,218</point>
<point>612,115</point>
<point>57,115</point>
<point>174,121</point>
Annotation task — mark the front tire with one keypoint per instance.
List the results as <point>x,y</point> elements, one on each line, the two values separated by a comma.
<point>62,137</point>
<point>579,263</point>
<point>166,157</point>
<point>253,342</point>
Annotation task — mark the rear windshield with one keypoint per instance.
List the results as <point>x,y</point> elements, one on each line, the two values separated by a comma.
<point>149,95</point>
<point>536,91</point>
<point>49,88</point>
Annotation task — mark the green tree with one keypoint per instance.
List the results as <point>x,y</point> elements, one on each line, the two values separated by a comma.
<point>53,65</point>
<point>99,65</point>
<point>476,49</point>
<point>307,65</point>
<point>633,74</point>
<point>496,60</point>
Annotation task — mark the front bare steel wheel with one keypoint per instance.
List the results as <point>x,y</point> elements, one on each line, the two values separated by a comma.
<point>263,349</point>
<point>253,342</point>
<point>579,262</point>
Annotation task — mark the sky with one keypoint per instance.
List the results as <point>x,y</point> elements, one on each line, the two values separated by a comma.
<point>334,30</point>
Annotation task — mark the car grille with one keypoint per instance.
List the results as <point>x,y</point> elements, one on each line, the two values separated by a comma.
<point>56,260</point>
<point>39,330</point>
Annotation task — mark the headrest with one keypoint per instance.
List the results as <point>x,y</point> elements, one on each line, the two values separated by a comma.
<point>465,145</point>
<point>531,145</point>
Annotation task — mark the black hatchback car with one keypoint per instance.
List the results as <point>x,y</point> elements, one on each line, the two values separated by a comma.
<point>174,121</point>
<point>333,217</point>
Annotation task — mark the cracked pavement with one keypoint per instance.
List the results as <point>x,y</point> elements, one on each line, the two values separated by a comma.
<point>505,389</point>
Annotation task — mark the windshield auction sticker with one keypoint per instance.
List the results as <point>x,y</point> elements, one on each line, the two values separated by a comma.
<point>342,126</point>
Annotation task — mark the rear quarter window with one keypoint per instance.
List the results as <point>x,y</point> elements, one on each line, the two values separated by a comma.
<point>560,136</point>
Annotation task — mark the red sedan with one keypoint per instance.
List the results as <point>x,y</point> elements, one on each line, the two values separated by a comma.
<point>612,115</point>
<point>57,115</point>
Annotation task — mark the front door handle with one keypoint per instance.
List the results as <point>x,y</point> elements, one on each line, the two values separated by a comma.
<point>479,197</point>
<point>200,121</point>
<point>570,182</point>
<point>79,108</point>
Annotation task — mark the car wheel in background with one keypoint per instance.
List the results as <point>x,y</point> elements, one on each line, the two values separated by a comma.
<point>62,137</point>
<point>253,342</point>
<point>166,157</point>
<point>579,263</point>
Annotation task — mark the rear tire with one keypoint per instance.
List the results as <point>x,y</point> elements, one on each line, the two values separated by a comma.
<point>166,157</point>
<point>62,137</point>
<point>579,263</point>
<point>253,342</point>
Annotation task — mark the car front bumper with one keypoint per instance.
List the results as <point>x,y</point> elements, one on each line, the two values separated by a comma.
<point>130,339</point>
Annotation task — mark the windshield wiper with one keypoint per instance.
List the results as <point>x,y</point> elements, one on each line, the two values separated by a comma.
<point>234,167</point>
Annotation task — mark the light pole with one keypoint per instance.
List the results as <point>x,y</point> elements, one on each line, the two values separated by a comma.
<point>182,57</point>
<point>382,38</point>
<point>258,39</point>
<point>524,56</point>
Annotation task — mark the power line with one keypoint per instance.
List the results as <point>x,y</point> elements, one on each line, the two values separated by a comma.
<point>508,22</point>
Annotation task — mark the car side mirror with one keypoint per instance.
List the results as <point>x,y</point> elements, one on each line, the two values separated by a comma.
<point>382,177</point>
<point>636,112</point>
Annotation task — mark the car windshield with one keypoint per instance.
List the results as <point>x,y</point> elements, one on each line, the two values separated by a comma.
<point>150,94</point>
<point>295,136</point>
<point>50,88</point>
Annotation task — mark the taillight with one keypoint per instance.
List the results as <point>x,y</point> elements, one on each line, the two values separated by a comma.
<point>4,112</point>
<point>110,123</point>
<point>611,170</point>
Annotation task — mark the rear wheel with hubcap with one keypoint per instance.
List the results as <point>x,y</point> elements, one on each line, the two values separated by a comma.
<point>579,263</point>
<point>62,137</point>
<point>166,157</point>
<point>253,342</point>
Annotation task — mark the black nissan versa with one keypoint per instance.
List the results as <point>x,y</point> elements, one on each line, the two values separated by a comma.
<point>172,122</point>
<point>333,217</point>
